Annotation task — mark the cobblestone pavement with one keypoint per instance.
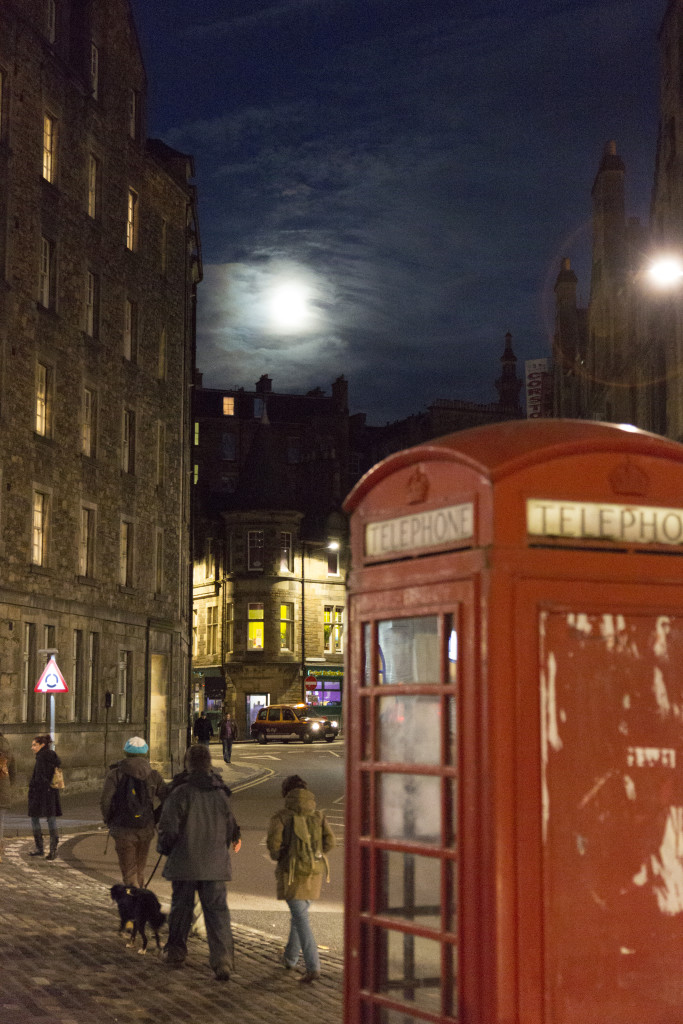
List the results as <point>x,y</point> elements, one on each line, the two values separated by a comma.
<point>64,963</point>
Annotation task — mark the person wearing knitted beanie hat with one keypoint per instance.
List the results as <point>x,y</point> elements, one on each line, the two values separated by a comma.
<point>131,800</point>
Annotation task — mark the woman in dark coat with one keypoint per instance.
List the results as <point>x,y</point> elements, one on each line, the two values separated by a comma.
<point>43,800</point>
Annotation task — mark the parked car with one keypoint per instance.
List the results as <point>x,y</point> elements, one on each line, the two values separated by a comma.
<point>287,722</point>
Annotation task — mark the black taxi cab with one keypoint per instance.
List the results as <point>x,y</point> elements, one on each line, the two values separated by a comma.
<point>287,722</point>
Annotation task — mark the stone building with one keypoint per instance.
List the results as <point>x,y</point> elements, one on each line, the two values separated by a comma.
<point>270,554</point>
<point>99,262</point>
<point>621,358</point>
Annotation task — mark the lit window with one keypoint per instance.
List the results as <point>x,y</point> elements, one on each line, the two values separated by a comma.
<point>92,290</point>
<point>94,71</point>
<point>162,366</point>
<point>128,441</point>
<point>255,627</point>
<point>195,473</point>
<point>44,400</point>
<point>39,530</point>
<point>49,148</point>
<point>255,543</point>
<point>86,557</point>
<point>51,21</point>
<point>130,330</point>
<point>133,113</point>
<point>161,453</point>
<point>228,405</point>
<point>93,185</point>
<point>333,628</point>
<point>196,432</point>
<point>47,274</point>
<point>132,218</point>
<point>89,422</point>
<point>159,561</point>
<point>212,629</point>
<point>286,627</point>
<point>286,560</point>
<point>126,554</point>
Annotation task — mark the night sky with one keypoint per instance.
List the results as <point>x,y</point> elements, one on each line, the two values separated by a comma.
<point>388,186</point>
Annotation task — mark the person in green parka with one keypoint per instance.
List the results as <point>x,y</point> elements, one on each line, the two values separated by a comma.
<point>299,839</point>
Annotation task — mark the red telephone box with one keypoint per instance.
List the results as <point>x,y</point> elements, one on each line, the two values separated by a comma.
<point>515,730</point>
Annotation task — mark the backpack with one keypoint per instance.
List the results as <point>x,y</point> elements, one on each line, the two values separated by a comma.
<point>303,844</point>
<point>4,766</point>
<point>131,805</point>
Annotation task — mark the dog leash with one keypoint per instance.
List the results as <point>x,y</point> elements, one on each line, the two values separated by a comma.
<point>153,871</point>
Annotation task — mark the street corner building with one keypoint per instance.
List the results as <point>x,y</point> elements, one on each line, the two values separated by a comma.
<point>99,264</point>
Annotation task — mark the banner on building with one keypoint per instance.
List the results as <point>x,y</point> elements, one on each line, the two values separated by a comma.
<point>539,389</point>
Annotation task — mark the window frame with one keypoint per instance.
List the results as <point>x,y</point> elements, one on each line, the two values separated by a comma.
<point>211,629</point>
<point>94,70</point>
<point>126,549</point>
<point>286,552</point>
<point>132,219</point>
<point>89,422</point>
<point>50,138</point>
<point>44,399</point>
<point>256,542</point>
<point>40,525</point>
<point>93,195</point>
<point>333,629</point>
<point>86,545</point>
<point>131,325</point>
<point>254,620</point>
<point>128,441</point>
<point>287,626</point>
<point>46,273</point>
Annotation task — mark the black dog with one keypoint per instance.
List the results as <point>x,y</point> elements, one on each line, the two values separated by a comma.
<point>142,908</point>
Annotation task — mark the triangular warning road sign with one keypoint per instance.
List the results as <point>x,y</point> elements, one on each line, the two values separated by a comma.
<point>51,679</point>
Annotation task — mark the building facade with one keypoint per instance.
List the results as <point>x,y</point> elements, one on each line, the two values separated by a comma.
<point>621,358</point>
<point>270,555</point>
<point>99,263</point>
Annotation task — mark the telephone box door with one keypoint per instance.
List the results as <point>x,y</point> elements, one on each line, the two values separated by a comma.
<point>608,816</point>
<point>409,795</point>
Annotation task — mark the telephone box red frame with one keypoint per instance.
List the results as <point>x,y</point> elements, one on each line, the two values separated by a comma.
<point>508,911</point>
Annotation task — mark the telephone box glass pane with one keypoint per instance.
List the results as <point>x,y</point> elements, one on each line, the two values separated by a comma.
<point>410,888</point>
<point>409,729</point>
<point>611,688</point>
<point>410,971</point>
<point>409,807</point>
<point>409,650</point>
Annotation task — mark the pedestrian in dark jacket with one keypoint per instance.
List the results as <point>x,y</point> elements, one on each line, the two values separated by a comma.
<point>196,830</point>
<point>227,736</point>
<point>7,776</point>
<point>132,835</point>
<point>297,889</point>
<point>202,729</point>
<point>43,800</point>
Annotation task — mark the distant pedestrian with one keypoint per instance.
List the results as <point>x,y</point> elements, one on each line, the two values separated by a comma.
<point>299,839</point>
<point>7,776</point>
<point>196,831</point>
<point>132,794</point>
<point>43,800</point>
<point>227,736</point>
<point>203,730</point>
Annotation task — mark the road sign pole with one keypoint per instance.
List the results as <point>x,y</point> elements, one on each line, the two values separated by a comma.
<point>52,717</point>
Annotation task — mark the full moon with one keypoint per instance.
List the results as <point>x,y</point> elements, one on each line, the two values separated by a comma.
<point>289,307</point>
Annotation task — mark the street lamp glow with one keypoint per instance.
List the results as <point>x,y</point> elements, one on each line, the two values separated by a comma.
<point>666,271</point>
